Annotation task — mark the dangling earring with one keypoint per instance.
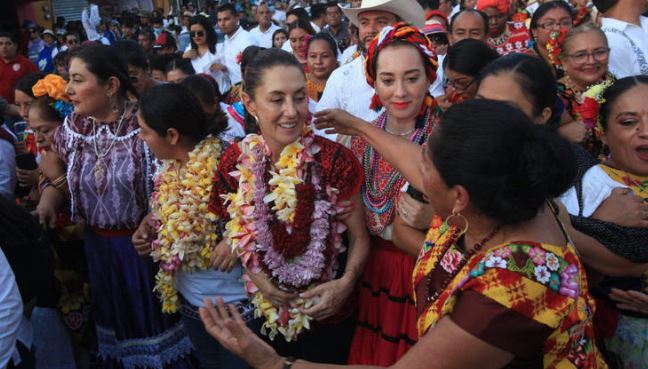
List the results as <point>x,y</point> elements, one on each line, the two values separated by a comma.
<point>115,108</point>
<point>458,222</point>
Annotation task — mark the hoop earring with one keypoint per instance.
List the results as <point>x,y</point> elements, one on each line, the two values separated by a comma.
<point>459,221</point>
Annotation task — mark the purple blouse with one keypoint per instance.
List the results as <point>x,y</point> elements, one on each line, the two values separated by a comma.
<point>109,173</point>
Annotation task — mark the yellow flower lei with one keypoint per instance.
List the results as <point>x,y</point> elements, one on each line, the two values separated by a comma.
<point>283,181</point>
<point>186,230</point>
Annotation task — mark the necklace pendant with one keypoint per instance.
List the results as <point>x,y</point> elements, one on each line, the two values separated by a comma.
<point>99,175</point>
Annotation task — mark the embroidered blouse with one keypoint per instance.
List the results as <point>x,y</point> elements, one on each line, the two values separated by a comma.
<point>537,293</point>
<point>109,173</point>
<point>515,39</point>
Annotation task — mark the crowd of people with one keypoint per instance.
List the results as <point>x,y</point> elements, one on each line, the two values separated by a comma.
<point>380,183</point>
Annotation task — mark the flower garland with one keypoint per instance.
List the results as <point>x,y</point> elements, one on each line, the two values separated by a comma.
<point>296,240</point>
<point>554,46</point>
<point>186,230</point>
<point>590,104</point>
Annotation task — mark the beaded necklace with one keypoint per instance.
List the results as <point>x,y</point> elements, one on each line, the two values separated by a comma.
<point>377,195</point>
<point>451,243</point>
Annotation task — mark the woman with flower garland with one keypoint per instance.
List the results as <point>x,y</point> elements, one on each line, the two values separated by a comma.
<point>107,171</point>
<point>547,22</point>
<point>498,284</point>
<point>584,58</point>
<point>179,233</point>
<point>401,66</point>
<point>624,123</point>
<point>280,192</point>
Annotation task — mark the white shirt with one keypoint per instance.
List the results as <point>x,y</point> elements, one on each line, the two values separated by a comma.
<point>347,54</point>
<point>279,16</point>
<point>628,46</point>
<point>347,89</point>
<point>202,63</point>
<point>263,39</point>
<point>597,186</point>
<point>11,313</point>
<point>235,130</point>
<point>90,19</point>
<point>436,89</point>
<point>232,47</point>
<point>286,46</point>
<point>315,27</point>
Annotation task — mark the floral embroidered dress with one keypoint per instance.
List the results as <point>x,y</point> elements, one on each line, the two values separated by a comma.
<point>386,317</point>
<point>109,172</point>
<point>530,299</point>
<point>515,39</point>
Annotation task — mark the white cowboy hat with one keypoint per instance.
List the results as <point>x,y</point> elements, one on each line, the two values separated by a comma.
<point>407,10</point>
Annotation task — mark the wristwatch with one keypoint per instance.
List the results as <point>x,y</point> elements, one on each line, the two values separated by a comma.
<point>288,363</point>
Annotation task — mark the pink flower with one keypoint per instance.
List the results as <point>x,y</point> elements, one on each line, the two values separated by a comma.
<point>503,252</point>
<point>537,255</point>
<point>451,260</point>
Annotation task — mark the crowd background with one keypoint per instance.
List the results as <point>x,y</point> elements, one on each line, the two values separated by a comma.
<point>324,167</point>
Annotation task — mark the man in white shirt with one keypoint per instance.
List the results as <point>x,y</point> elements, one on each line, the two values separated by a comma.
<point>236,40</point>
<point>11,314</point>
<point>347,87</point>
<point>627,34</point>
<point>262,34</point>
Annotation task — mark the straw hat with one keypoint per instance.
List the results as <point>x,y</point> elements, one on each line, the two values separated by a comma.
<point>407,10</point>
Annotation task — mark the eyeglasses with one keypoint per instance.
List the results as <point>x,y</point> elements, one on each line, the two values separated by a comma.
<point>597,54</point>
<point>551,24</point>
<point>197,34</point>
<point>457,86</point>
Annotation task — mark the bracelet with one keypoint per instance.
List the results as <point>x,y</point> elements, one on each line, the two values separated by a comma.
<point>288,363</point>
<point>60,183</point>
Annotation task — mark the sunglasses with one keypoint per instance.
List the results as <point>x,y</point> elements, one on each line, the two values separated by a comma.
<point>197,34</point>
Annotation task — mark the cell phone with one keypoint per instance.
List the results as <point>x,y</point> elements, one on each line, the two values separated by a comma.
<point>19,129</point>
<point>26,161</point>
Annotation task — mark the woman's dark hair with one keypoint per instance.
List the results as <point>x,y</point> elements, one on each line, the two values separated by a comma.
<point>509,165</point>
<point>104,62</point>
<point>210,34</point>
<point>303,24</point>
<point>614,92</point>
<point>170,105</point>
<point>26,82</point>
<point>535,78</point>
<point>248,55</point>
<point>326,37</point>
<point>253,78</point>
<point>132,53</point>
<point>469,57</point>
<point>45,106</point>
<point>280,30</point>
<point>182,64</point>
<point>300,13</point>
<point>545,7</point>
<point>205,88</point>
<point>160,61</point>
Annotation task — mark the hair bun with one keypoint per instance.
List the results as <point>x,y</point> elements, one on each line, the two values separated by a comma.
<point>546,162</point>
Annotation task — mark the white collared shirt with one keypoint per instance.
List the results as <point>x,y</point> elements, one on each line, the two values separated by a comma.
<point>347,89</point>
<point>263,39</point>
<point>628,46</point>
<point>202,64</point>
<point>232,48</point>
<point>11,315</point>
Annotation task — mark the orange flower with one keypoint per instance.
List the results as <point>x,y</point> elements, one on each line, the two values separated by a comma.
<point>53,86</point>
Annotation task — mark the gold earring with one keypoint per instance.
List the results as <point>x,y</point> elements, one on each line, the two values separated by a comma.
<point>459,221</point>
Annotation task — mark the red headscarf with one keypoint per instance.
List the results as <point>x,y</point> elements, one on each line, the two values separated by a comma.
<point>501,5</point>
<point>400,31</point>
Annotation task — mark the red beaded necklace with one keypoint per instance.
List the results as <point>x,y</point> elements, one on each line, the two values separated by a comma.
<point>432,295</point>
